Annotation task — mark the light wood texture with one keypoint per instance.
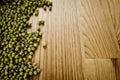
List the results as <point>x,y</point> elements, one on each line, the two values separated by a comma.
<point>102,67</point>
<point>98,28</point>
<point>76,30</point>
<point>62,59</point>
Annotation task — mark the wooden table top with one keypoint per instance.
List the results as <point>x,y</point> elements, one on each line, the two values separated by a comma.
<point>82,40</point>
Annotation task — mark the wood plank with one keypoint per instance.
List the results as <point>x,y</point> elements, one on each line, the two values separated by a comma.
<point>98,28</point>
<point>116,65</point>
<point>61,60</point>
<point>99,69</point>
<point>64,57</point>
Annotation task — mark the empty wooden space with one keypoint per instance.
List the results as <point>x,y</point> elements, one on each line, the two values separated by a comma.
<point>82,40</point>
<point>98,29</point>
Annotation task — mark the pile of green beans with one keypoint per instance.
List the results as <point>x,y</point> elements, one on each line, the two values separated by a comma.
<point>17,46</point>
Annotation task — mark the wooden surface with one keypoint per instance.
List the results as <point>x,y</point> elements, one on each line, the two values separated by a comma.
<point>98,29</point>
<point>82,40</point>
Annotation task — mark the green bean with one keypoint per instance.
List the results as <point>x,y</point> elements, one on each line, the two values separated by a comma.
<point>44,44</point>
<point>17,46</point>
<point>36,13</point>
<point>41,22</point>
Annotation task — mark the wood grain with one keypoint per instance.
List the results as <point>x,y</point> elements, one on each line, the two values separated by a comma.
<point>116,65</point>
<point>99,69</point>
<point>62,59</point>
<point>76,30</point>
<point>98,29</point>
